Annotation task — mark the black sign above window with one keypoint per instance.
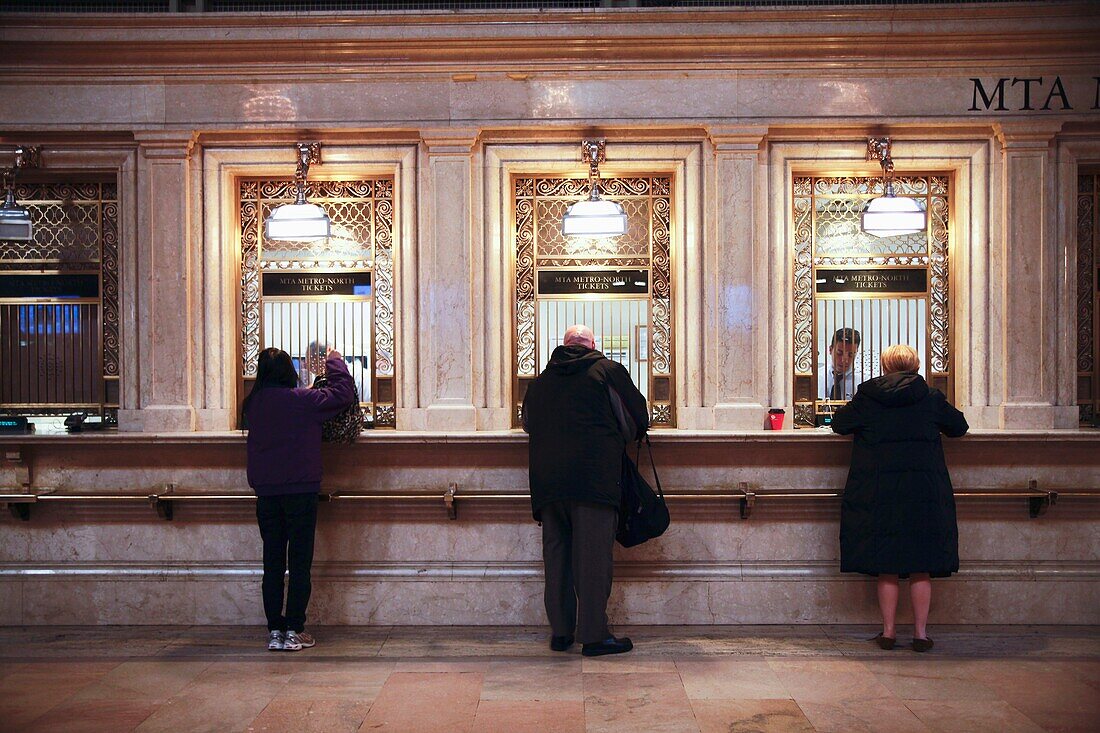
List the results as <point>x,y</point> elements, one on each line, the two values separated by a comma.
<point>893,280</point>
<point>300,284</point>
<point>593,282</point>
<point>46,285</point>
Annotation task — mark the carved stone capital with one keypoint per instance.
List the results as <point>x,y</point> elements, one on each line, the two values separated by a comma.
<point>450,141</point>
<point>167,144</point>
<point>738,140</point>
<point>1029,135</point>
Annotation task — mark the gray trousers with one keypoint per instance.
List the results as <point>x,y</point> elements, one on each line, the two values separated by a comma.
<point>577,538</point>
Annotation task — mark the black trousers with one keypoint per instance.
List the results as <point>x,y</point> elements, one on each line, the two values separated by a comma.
<point>287,525</point>
<point>577,538</point>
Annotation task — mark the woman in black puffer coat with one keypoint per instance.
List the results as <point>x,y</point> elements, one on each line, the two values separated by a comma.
<point>898,515</point>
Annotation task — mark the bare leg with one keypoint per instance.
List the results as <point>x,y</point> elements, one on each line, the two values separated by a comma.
<point>920,593</point>
<point>888,603</point>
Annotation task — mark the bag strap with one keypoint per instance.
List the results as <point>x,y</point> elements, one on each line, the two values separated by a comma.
<point>652,464</point>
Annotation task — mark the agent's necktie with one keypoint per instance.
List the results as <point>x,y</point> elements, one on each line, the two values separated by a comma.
<point>837,392</point>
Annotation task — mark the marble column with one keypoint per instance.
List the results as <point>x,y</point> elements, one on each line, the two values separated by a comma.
<point>739,282</point>
<point>165,322</point>
<point>1033,279</point>
<point>447,276</point>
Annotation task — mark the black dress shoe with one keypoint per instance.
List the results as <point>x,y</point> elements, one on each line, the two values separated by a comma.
<point>610,645</point>
<point>885,642</point>
<point>922,645</point>
<point>561,643</point>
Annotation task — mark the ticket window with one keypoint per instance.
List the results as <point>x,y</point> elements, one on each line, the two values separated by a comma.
<point>851,336</point>
<point>302,328</point>
<point>856,295</point>
<point>302,296</point>
<point>59,303</point>
<point>621,329</point>
<point>618,286</point>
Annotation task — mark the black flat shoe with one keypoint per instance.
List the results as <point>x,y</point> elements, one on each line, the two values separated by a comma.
<point>561,643</point>
<point>611,645</point>
<point>885,642</point>
<point>922,645</point>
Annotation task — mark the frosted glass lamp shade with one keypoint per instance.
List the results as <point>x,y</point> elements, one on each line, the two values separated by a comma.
<point>889,216</point>
<point>594,218</point>
<point>15,223</point>
<point>296,223</point>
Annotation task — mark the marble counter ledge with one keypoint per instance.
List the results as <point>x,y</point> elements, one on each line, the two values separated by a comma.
<point>393,437</point>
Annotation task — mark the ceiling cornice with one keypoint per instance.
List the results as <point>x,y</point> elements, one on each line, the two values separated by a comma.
<point>289,57</point>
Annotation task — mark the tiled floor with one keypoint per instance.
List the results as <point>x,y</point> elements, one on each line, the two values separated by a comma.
<point>699,679</point>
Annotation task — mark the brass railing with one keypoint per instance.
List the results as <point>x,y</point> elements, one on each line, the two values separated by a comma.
<point>163,501</point>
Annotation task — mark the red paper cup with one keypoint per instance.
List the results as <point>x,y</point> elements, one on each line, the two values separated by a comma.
<point>775,418</point>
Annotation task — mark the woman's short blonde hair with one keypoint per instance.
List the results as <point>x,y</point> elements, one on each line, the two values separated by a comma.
<point>899,358</point>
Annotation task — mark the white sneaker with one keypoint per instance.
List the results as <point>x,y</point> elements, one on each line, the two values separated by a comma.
<point>276,642</point>
<point>296,640</point>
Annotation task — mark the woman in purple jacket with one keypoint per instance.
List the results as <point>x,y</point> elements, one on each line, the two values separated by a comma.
<point>284,469</point>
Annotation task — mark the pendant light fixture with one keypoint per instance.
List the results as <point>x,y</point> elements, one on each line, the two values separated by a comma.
<point>890,215</point>
<point>300,221</point>
<point>15,220</point>
<point>593,216</point>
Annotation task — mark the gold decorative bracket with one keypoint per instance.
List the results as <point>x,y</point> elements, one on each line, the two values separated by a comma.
<point>878,148</point>
<point>594,152</point>
<point>308,154</point>
<point>26,156</point>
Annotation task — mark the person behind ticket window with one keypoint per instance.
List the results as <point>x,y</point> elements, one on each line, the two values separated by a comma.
<point>314,362</point>
<point>315,367</point>
<point>284,469</point>
<point>897,517</point>
<point>837,377</point>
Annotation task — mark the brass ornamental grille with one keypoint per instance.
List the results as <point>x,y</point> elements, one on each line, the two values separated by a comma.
<point>635,330</point>
<point>59,353</point>
<point>829,243</point>
<point>361,325</point>
<point>1088,299</point>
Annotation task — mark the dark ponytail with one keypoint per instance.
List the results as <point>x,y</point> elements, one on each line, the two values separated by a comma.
<point>274,368</point>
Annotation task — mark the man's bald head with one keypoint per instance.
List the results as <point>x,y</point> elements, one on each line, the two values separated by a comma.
<point>581,335</point>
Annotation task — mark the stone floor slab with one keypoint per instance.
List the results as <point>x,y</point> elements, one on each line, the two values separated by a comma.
<point>972,716</point>
<point>535,680</point>
<point>93,716</point>
<point>886,715</point>
<point>730,678</point>
<point>750,716</point>
<point>828,680</point>
<point>427,702</point>
<point>310,716</point>
<point>526,716</point>
<point>643,701</point>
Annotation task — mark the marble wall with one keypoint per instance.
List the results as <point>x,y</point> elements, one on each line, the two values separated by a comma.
<point>731,105</point>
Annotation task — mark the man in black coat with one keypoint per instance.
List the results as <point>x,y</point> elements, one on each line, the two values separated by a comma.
<point>580,412</point>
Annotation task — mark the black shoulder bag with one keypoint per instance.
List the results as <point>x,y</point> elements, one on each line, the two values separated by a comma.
<point>643,513</point>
